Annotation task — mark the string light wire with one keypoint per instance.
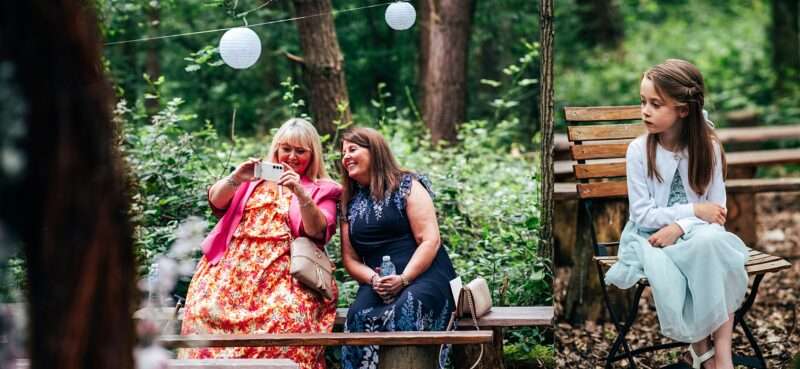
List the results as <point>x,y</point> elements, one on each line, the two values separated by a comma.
<point>146,39</point>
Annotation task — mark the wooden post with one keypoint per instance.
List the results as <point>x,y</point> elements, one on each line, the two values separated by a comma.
<point>409,357</point>
<point>464,356</point>
<point>546,122</point>
<point>584,297</point>
<point>741,219</point>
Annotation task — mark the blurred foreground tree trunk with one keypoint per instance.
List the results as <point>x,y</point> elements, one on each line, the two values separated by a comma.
<point>323,64</point>
<point>785,39</point>
<point>601,23</point>
<point>444,42</point>
<point>64,199</point>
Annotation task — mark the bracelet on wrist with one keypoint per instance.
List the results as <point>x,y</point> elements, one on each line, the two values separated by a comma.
<point>372,279</point>
<point>404,280</point>
<point>230,181</point>
<point>307,203</point>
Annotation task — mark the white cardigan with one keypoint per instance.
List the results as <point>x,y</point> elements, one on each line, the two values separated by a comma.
<point>648,197</point>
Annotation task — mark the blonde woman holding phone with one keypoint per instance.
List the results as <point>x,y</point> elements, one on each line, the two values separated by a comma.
<point>242,284</point>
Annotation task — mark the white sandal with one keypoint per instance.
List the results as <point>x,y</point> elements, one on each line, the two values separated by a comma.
<point>697,361</point>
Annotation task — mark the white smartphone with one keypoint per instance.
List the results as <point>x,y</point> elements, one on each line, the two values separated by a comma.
<point>268,171</point>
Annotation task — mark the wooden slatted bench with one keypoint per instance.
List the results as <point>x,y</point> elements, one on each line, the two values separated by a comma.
<point>490,335</point>
<point>399,350</point>
<point>211,364</point>
<point>742,165</point>
<point>735,135</point>
<point>757,262</point>
<point>232,364</point>
<point>602,185</point>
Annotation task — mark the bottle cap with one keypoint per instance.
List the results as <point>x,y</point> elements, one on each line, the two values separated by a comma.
<point>386,258</point>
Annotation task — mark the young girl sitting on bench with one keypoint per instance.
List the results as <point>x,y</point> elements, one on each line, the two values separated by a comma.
<point>675,236</point>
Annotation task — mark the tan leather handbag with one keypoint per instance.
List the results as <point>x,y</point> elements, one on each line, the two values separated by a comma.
<point>311,266</point>
<point>475,301</point>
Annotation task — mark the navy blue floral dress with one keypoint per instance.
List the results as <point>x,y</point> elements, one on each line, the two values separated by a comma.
<point>379,228</point>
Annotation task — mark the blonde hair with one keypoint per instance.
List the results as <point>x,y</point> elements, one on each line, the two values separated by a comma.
<point>300,132</point>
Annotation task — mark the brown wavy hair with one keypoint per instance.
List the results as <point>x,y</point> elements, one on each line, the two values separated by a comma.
<point>384,171</point>
<point>683,82</point>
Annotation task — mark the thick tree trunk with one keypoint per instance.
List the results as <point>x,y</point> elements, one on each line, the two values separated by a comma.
<point>68,205</point>
<point>546,122</point>
<point>323,64</point>
<point>600,22</point>
<point>785,37</point>
<point>444,42</point>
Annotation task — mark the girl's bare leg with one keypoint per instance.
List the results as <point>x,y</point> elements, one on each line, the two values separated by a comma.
<point>723,359</point>
<point>700,348</point>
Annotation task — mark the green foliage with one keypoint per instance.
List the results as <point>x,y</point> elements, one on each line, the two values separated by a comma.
<point>172,168</point>
<point>530,353</point>
<point>12,277</point>
<point>728,42</point>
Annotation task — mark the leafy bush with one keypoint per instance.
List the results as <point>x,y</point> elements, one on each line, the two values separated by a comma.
<point>728,43</point>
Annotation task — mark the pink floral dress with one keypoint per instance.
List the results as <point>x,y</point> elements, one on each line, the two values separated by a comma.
<point>250,290</point>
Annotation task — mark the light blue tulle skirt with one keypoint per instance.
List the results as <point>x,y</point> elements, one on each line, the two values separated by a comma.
<point>697,282</point>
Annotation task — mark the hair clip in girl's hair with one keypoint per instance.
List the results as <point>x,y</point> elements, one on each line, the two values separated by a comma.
<point>705,117</point>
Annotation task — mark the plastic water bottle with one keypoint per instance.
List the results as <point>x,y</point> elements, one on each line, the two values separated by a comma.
<point>152,285</point>
<point>387,269</point>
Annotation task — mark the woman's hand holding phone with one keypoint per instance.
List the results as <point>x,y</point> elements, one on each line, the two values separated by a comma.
<point>246,170</point>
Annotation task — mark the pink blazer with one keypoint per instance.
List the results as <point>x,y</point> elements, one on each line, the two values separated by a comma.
<point>325,194</point>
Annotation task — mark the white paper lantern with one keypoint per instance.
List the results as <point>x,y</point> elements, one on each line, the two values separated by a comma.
<point>400,15</point>
<point>240,47</point>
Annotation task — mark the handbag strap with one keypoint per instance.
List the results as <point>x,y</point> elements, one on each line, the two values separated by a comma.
<point>467,294</point>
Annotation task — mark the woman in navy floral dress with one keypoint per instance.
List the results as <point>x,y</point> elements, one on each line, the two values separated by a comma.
<point>389,211</point>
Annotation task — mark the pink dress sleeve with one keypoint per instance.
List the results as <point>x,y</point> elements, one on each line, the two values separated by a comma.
<point>326,196</point>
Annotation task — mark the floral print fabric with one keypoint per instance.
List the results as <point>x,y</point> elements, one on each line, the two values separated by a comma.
<point>250,290</point>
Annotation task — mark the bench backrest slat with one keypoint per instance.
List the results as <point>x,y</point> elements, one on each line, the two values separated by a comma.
<point>604,132</point>
<point>602,151</point>
<point>499,316</point>
<point>328,339</point>
<point>601,170</point>
<point>231,364</point>
<point>602,113</point>
<point>601,190</point>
